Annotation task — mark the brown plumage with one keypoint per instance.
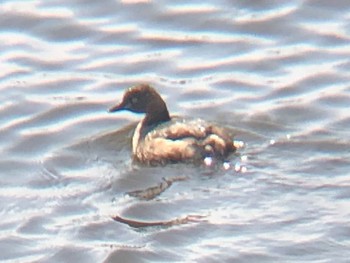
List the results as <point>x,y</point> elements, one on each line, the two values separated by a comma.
<point>159,139</point>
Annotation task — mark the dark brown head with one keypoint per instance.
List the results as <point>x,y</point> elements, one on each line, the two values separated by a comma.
<point>143,98</point>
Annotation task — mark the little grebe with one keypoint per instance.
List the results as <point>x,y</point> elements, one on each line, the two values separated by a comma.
<point>160,139</point>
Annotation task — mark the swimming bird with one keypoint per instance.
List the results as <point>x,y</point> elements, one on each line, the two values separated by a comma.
<point>160,138</point>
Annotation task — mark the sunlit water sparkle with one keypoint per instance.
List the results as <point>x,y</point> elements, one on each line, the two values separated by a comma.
<point>275,73</point>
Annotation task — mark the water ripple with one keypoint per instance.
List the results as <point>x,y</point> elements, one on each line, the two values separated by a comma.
<point>276,74</point>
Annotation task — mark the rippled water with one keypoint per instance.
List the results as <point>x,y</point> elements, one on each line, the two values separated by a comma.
<point>275,72</point>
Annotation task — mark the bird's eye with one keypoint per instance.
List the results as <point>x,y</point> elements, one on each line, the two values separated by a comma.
<point>134,100</point>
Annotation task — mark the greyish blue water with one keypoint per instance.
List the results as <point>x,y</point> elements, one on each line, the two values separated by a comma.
<point>275,72</point>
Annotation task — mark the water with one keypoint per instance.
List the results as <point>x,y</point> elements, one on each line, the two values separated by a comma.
<point>276,73</point>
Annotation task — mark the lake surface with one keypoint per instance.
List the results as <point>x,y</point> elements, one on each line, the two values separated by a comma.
<point>277,73</point>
